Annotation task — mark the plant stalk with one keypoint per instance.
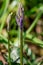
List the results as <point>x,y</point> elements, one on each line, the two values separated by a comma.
<point>21,46</point>
<point>9,49</point>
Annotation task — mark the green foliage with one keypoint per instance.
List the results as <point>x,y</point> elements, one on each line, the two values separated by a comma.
<point>33,3</point>
<point>31,7</point>
<point>1,63</point>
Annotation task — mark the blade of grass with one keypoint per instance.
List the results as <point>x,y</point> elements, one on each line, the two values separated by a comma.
<point>3,19</point>
<point>4,7</point>
<point>34,22</point>
<point>34,40</point>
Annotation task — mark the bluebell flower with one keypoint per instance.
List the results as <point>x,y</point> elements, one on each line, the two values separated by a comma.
<point>20,15</point>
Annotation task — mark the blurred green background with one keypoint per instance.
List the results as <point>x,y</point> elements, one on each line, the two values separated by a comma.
<point>32,32</point>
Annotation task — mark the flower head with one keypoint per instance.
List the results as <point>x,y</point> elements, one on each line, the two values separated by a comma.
<point>20,15</point>
<point>8,20</point>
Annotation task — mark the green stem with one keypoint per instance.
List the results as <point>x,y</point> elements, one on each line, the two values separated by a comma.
<point>9,49</point>
<point>21,46</point>
<point>34,23</point>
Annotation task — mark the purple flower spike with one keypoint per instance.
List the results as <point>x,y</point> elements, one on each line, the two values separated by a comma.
<point>20,16</point>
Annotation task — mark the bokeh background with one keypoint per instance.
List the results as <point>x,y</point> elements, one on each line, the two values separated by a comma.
<point>32,32</point>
